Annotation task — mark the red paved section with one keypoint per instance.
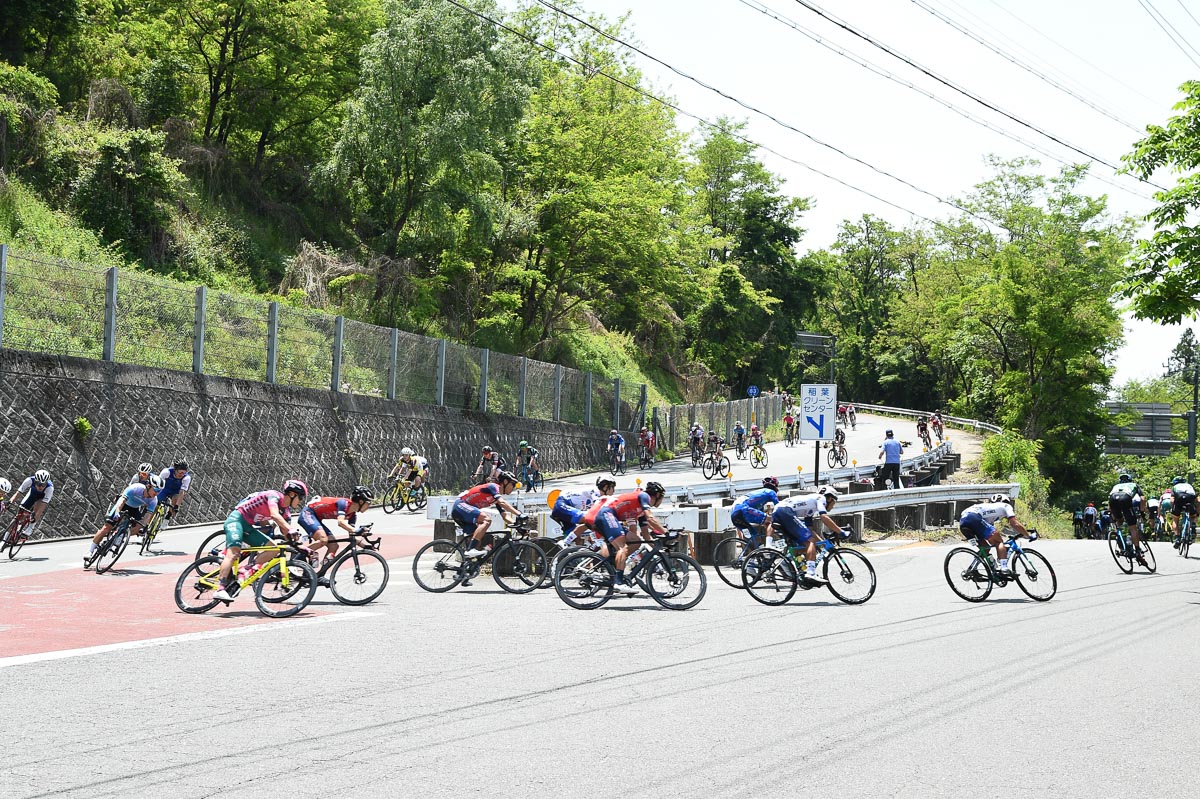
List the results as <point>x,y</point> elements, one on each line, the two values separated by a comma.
<point>135,601</point>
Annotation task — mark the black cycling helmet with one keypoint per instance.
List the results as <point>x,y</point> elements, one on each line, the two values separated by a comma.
<point>771,482</point>
<point>1125,478</point>
<point>509,476</point>
<point>180,465</point>
<point>487,449</point>
<point>604,480</point>
<point>1177,481</point>
<point>655,489</point>
<point>362,494</point>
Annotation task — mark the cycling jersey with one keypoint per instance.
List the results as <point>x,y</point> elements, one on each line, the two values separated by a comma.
<point>173,485</point>
<point>580,500</point>
<point>991,512</point>
<point>697,433</point>
<point>1183,498</point>
<point>748,510</point>
<point>755,499</point>
<point>527,455</point>
<point>739,431</point>
<point>417,463</point>
<point>1121,502</point>
<point>1089,511</point>
<point>331,508</point>
<point>481,496</point>
<point>34,494</point>
<point>627,506</point>
<point>646,440</point>
<point>615,442</point>
<point>136,502</point>
<point>257,508</point>
<point>805,505</point>
<point>137,479</point>
<point>789,420</point>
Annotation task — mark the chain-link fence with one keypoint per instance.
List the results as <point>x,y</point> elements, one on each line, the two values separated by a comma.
<point>54,306</point>
<point>235,337</point>
<point>156,321</point>
<point>366,358</point>
<point>305,348</point>
<point>462,375</point>
<point>504,383</point>
<point>417,368</point>
<point>539,389</point>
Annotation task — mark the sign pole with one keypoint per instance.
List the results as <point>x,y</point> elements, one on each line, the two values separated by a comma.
<point>817,465</point>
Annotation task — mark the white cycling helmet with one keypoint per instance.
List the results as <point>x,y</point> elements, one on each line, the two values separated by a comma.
<point>5,486</point>
<point>828,491</point>
<point>157,482</point>
<point>145,468</point>
<point>1005,498</point>
<point>41,476</point>
<point>407,452</point>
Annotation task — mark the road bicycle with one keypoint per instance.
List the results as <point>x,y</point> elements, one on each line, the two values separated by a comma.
<point>283,586</point>
<point>925,439</point>
<point>15,536</point>
<point>591,542</point>
<point>715,464</point>
<point>531,479</point>
<point>772,575</point>
<point>616,462</point>
<point>1120,544</point>
<point>853,417</point>
<point>740,448</point>
<point>837,455</point>
<point>1186,534</point>
<point>697,454</point>
<point>789,435</point>
<point>973,572</point>
<point>728,556</point>
<point>758,456</point>
<point>938,430</point>
<point>112,546</point>
<point>517,564</point>
<point>153,526</point>
<point>402,495</point>
<point>214,544</point>
<point>645,458</point>
<point>674,580</point>
<point>358,574</point>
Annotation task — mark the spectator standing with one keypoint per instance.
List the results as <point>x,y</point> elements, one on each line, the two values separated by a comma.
<point>890,451</point>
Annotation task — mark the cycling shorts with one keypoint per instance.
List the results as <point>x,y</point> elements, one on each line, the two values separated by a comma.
<point>567,515</point>
<point>1184,503</point>
<point>743,517</point>
<point>414,474</point>
<point>608,525</point>
<point>240,533</point>
<point>795,530</point>
<point>113,516</point>
<point>466,515</point>
<point>1121,508</point>
<point>974,525</point>
<point>310,523</point>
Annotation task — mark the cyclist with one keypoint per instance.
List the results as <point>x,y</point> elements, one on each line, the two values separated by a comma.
<point>527,461</point>
<point>1165,503</point>
<point>143,474</point>
<point>1105,522</point>
<point>739,433</point>
<point>135,501</point>
<point>646,440</point>
<point>839,437</point>
<point>696,437</point>
<point>241,529</point>
<point>923,431</point>
<point>789,425</point>
<point>1089,519</point>
<point>414,467</point>
<point>490,465</point>
<point>569,508</point>
<point>715,442</point>
<point>978,521</point>
<point>1121,503</point>
<point>609,520</point>
<point>1152,506</point>
<point>851,415</point>
<point>750,511</point>
<point>5,487</point>
<point>756,436</point>
<point>794,517</point>
<point>176,482</point>
<point>843,415</point>
<point>38,489</point>
<point>1183,500</point>
<point>1077,522</point>
<point>616,443</point>
<point>468,510</point>
<point>935,421</point>
<point>344,510</point>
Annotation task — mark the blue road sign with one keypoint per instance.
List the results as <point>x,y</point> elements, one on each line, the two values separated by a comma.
<point>752,391</point>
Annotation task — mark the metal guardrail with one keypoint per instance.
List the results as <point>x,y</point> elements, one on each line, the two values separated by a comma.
<point>974,424</point>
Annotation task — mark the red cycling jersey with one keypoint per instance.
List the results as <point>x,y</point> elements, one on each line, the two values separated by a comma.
<point>329,508</point>
<point>481,496</point>
<point>631,505</point>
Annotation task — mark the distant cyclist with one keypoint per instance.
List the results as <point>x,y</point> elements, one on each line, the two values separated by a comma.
<point>1090,519</point>
<point>616,443</point>
<point>789,424</point>
<point>527,460</point>
<point>241,529</point>
<point>5,487</point>
<point>646,441</point>
<point>143,474</point>
<point>1123,508</point>
<point>1183,500</point>
<point>978,521</point>
<point>490,465</point>
<point>696,437</point>
<point>739,435</point>
<point>756,436</point>
<point>1165,507</point>
<point>176,482</point>
<point>134,502</point>
<point>414,467</point>
<point>35,492</point>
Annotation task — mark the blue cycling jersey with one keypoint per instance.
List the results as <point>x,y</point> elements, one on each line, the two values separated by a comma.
<point>757,499</point>
<point>615,441</point>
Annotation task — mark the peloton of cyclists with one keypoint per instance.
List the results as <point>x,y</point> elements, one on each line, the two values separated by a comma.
<point>135,502</point>
<point>37,491</point>
<point>610,518</point>
<point>414,467</point>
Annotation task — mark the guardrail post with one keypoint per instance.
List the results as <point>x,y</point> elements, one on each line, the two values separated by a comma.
<point>587,399</point>
<point>483,380</point>
<point>616,419</point>
<point>393,359</point>
<point>558,377</point>
<point>439,389</point>
<point>272,342</point>
<point>339,330</point>
<point>110,314</point>
<point>524,379</point>
<point>3,286</point>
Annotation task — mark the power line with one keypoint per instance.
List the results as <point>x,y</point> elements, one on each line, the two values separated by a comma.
<point>965,31</point>
<point>1167,28</point>
<point>884,73</point>
<point>950,84</point>
<point>754,109</point>
<point>1187,11</point>
<point>591,69</point>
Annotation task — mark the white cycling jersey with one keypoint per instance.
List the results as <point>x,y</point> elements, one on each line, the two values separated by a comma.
<point>29,491</point>
<point>806,505</point>
<point>581,500</point>
<point>992,512</point>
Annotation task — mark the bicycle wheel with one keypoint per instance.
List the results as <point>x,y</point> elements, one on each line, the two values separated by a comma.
<point>614,464</point>
<point>724,466</point>
<point>695,458</point>
<point>585,580</point>
<point>969,575</point>
<point>850,576</point>
<point>560,558</point>
<point>843,457</point>
<point>438,566</point>
<point>197,584</point>
<point>1034,575</point>
<point>708,468</point>
<point>519,567</point>
<point>112,548</point>
<point>13,538</point>
<point>391,499</point>
<point>831,457</point>
<point>675,581</point>
<point>1148,555</point>
<point>417,499</point>
<point>758,458</point>
<point>151,531</point>
<point>278,597</point>
<point>213,545</point>
<point>358,577</point>
<point>1185,535</point>
<point>769,576</point>
<point>1116,546</point>
<point>728,556</point>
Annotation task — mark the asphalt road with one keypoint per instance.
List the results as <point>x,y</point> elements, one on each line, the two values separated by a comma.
<point>480,693</point>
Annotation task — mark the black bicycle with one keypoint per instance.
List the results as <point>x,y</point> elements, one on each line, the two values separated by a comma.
<point>586,580</point>
<point>728,556</point>
<point>740,447</point>
<point>1120,544</point>
<point>697,453</point>
<point>517,564</point>
<point>645,458</point>
<point>112,546</point>
<point>616,462</point>
<point>358,574</point>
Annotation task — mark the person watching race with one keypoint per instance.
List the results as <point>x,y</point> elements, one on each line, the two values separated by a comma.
<point>616,443</point>
<point>795,517</point>
<point>570,508</point>
<point>322,509</point>
<point>750,511</point>
<point>1183,500</point>
<point>414,467</point>
<point>609,520</point>
<point>143,474</point>
<point>468,511</point>
<point>978,521</point>
<point>38,490</point>
<point>891,450</point>
<point>176,482</point>
<point>241,529</point>
<point>135,502</point>
<point>1123,506</point>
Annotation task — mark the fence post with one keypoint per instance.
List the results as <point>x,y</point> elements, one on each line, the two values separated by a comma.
<point>642,403</point>
<point>198,329</point>
<point>558,376</point>
<point>3,274</point>
<point>439,391</point>
<point>616,419</point>
<point>483,380</point>
<point>339,330</point>
<point>521,393</point>
<point>587,400</point>
<point>110,313</point>
<point>393,358</point>
<point>272,341</point>
<point>729,420</point>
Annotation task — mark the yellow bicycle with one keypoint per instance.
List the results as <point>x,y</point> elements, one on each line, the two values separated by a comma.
<point>283,586</point>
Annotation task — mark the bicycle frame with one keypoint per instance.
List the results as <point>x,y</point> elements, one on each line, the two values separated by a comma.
<point>213,579</point>
<point>22,520</point>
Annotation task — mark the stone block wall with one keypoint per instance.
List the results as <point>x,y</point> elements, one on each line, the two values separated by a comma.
<point>238,436</point>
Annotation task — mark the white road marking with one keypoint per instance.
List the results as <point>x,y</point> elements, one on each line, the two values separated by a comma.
<point>41,657</point>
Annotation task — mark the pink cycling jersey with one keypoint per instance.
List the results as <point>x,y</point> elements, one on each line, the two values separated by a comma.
<point>256,508</point>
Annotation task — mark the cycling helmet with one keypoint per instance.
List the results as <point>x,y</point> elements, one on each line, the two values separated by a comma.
<point>407,452</point>
<point>771,482</point>
<point>1125,478</point>
<point>41,476</point>
<point>603,481</point>
<point>655,489</point>
<point>753,427</point>
<point>828,491</point>
<point>1177,481</point>
<point>362,494</point>
<point>612,432</point>
<point>737,423</point>
<point>507,476</point>
<point>5,486</point>
<point>644,429</point>
<point>1005,498</point>
<point>487,450</point>
<point>180,465</point>
<point>157,482</point>
<point>145,468</point>
<point>297,486</point>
